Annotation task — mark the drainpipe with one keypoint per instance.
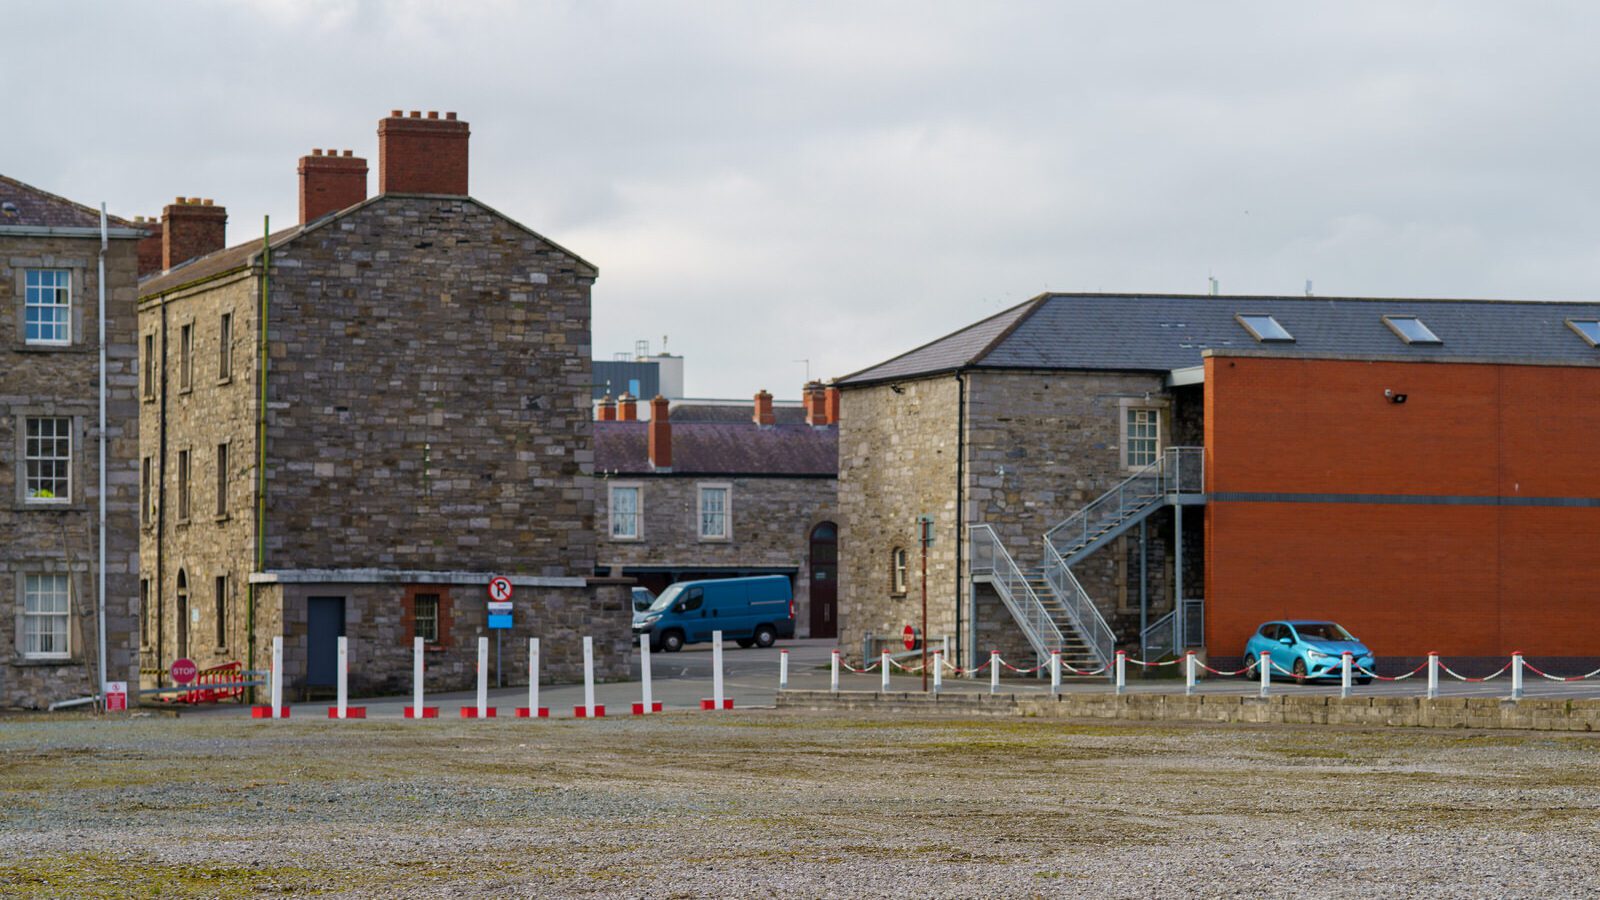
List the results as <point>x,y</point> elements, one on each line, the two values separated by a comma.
<point>261,447</point>
<point>100,566</point>
<point>961,480</point>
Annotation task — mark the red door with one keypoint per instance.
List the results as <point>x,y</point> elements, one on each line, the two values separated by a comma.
<point>824,587</point>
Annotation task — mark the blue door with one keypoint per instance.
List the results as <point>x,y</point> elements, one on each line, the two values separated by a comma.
<point>325,625</point>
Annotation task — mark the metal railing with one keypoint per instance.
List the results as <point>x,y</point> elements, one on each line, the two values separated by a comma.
<point>1179,470</point>
<point>1160,638</point>
<point>990,560</point>
<point>1085,616</point>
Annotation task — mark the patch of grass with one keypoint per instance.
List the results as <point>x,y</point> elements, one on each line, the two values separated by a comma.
<point>92,875</point>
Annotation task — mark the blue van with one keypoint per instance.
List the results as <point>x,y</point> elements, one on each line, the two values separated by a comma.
<point>753,611</point>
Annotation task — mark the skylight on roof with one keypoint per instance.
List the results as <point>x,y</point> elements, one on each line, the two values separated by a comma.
<point>1411,330</point>
<point>1264,328</point>
<point>1589,329</point>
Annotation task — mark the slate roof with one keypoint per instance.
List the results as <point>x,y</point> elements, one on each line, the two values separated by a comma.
<point>41,209</point>
<point>710,448</point>
<point>689,411</point>
<point>1162,332</point>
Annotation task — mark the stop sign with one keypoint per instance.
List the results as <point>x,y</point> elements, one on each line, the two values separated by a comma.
<point>912,641</point>
<point>183,671</point>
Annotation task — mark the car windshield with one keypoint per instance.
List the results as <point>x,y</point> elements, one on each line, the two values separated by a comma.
<point>1322,631</point>
<point>667,598</point>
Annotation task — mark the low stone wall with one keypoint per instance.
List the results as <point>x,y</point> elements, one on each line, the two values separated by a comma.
<point>1537,714</point>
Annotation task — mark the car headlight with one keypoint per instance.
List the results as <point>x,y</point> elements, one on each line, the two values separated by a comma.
<point>649,620</point>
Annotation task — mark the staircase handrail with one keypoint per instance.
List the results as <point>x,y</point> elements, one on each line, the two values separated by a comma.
<point>1010,582</point>
<point>1148,637</point>
<point>1167,470</point>
<point>1080,607</point>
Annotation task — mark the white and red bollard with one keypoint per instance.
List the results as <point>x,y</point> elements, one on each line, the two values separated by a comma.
<point>1433,675</point>
<point>716,700</point>
<point>1516,675</point>
<point>1055,671</point>
<point>1189,673</point>
<point>416,710</point>
<point>883,663</point>
<point>482,709</point>
<point>533,710</point>
<point>1345,675</point>
<point>833,680</point>
<point>647,703</point>
<point>589,709</point>
<point>1122,671</point>
<point>994,671</point>
<point>938,670</point>
<point>783,670</point>
<point>1266,673</point>
<point>342,708</point>
<point>276,710</point>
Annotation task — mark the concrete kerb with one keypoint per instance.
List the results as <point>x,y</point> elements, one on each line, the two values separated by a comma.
<point>1279,709</point>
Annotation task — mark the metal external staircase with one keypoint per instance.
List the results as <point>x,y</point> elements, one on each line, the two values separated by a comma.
<point>1048,603</point>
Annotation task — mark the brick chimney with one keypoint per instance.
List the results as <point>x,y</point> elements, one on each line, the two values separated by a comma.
<point>832,404</point>
<point>329,183</point>
<point>627,408</point>
<point>816,402</point>
<point>763,410</point>
<point>419,155</point>
<point>149,245</point>
<point>191,227</point>
<point>660,434</point>
<point>608,409</point>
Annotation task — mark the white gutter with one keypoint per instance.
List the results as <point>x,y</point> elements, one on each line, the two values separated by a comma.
<point>100,573</point>
<point>1186,376</point>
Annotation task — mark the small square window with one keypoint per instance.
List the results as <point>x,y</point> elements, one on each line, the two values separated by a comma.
<point>1264,328</point>
<point>1411,330</point>
<point>47,311</point>
<point>1588,329</point>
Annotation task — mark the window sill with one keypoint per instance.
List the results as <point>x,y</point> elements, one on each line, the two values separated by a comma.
<point>226,379</point>
<point>181,523</point>
<point>434,648</point>
<point>36,506</point>
<point>626,540</point>
<point>148,398</point>
<point>897,595</point>
<point>47,661</point>
<point>219,518</point>
<point>185,390</point>
<point>53,348</point>
<point>715,540</point>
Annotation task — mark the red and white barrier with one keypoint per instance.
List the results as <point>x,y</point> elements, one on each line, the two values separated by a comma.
<point>482,709</point>
<point>533,710</point>
<point>416,710</point>
<point>277,710</point>
<point>647,703</point>
<point>342,708</point>
<point>716,701</point>
<point>589,709</point>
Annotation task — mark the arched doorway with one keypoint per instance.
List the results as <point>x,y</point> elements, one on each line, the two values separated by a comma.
<point>824,586</point>
<point>183,616</point>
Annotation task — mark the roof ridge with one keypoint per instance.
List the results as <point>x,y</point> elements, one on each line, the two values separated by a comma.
<point>1005,333</point>
<point>110,219</point>
<point>1116,295</point>
<point>938,340</point>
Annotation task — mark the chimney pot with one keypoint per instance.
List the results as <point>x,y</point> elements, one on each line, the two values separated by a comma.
<point>433,114</point>
<point>416,114</point>
<point>450,115</point>
<point>763,415</point>
<point>316,151</point>
<point>816,403</point>
<point>349,153</point>
<point>660,436</point>
<point>607,411</point>
<point>627,408</point>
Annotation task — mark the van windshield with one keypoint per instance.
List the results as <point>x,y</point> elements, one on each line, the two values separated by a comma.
<point>667,598</point>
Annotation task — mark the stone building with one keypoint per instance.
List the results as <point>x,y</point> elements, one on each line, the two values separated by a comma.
<point>50,255</point>
<point>1064,450</point>
<point>354,423</point>
<point>693,493</point>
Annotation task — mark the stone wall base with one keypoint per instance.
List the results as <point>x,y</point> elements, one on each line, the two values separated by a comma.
<point>1535,714</point>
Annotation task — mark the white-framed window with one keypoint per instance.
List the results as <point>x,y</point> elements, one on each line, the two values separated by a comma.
<point>47,457</point>
<point>1141,436</point>
<point>46,600</point>
<point>714,511</point>
<point>626,512</point>
<point>47,309</point>
<point>897,570</point>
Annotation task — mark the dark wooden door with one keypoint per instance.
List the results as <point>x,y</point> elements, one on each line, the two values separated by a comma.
<point>325,625</point>
<point>824,587</point>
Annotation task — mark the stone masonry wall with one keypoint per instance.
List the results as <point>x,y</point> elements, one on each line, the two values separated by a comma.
<point>770,520</point>
<point>57,538</point>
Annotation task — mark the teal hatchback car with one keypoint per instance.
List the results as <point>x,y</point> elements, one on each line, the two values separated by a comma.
<point>1306,650</point>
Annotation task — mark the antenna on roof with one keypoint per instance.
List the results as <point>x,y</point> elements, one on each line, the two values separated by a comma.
<point>664,345</point>
<point>1213,285</point>
<point>1308,287</point>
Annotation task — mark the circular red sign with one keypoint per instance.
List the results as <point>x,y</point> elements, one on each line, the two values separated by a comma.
<point>911,637</point>
<point>184,670</point>
<point>500,589</point>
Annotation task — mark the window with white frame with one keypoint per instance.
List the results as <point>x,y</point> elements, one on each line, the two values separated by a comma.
<point>624,508</point>
<point>47,457</point>
<point>45,602</point>
<point>47,311</point>
<point>897,570</point>
<point>1142,436</point>
<point>714,512</point>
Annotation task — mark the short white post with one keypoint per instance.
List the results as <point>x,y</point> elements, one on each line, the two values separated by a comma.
<point>783,670</point>
<point>588,677</point>
<point>1433,676</point>
<point>1188,672</point>
<point>1516,675</point>
<point>416,678</point>
<point>883,663</point>
<point>344,675</point>
<point>1266,672</point>
<point>533,678</point>
<point>1344,673</point>
<point>994,671</point>
<point>644,675</point>
<point>277,677</point>
<point>483,677</point>
<point>833,682</point>
<point>947,646</point>
<point>716,668</point>
<point>1122,671</point>
<point>1055,671</point>
<point>938,670</point>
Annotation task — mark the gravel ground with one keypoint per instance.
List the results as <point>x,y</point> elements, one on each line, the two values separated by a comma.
<point>788,804</point>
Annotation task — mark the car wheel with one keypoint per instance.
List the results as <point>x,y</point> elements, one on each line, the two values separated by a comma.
<point>672,642</point>
<point>1249,668</point>
<point>766,636</point>
<point>1364,680</point>
<point>746,643</point>
<point>1299,671</point>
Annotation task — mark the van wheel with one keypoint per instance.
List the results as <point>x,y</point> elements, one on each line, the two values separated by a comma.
<point>766,636</point>
<point>672,641</point>
<point>746,643</point>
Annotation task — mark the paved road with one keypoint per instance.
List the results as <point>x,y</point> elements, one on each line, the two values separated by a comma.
<point>750,677</point>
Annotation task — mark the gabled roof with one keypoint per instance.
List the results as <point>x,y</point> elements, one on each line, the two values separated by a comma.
<point>714,448</point>
<point>1163,332</point>
<point>23,205</point>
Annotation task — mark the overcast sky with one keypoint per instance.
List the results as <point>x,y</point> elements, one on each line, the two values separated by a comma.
<point>765,183</point>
